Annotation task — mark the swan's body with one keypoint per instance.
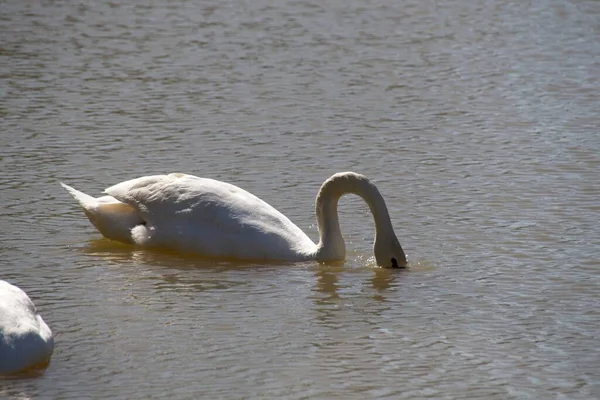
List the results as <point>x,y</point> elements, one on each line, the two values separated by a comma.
<point>25,339</point>
<point>204,216</point>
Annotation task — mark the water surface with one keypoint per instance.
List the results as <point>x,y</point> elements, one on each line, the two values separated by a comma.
<point>477,120</point>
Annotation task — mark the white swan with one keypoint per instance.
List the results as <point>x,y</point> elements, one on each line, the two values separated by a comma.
<point>25,339</point>
<point>204,216</point>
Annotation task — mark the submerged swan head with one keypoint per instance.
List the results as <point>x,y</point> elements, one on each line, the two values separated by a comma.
<point>389,253</point>
<point>387,249</point>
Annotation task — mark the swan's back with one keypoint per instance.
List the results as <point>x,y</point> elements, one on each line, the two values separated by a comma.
<point>187,213</point>
<point>25,339</point>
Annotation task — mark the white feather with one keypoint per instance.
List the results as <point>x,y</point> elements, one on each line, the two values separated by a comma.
<point>25,339</point>
<point>200,215</point>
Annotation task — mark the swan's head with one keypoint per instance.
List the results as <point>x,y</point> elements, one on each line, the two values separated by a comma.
<point>389,253</point>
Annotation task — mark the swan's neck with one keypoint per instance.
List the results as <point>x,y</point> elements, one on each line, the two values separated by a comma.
<point>331,245</point>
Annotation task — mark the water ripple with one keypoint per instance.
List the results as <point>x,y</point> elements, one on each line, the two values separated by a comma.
<point>477,120</point>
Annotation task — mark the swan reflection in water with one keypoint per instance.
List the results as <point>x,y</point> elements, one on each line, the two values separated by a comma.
<point>326,295</point>
<point>326,275</point>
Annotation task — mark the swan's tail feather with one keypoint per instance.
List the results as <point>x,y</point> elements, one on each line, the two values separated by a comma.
<point>85,200</point>
<point>113,219</point>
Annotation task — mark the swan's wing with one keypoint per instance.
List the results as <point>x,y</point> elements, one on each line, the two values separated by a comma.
<point>18,314</point>
<point>140,192</point>
<point>168,197</point>
<point>25,339</point>
<point>15,305</point>
<point>185,211</point>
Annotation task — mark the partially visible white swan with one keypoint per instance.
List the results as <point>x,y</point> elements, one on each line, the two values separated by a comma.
<point>25,339</point>
<point>204,216</point>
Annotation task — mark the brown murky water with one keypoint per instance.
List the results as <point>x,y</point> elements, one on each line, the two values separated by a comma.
<point>477,120</point>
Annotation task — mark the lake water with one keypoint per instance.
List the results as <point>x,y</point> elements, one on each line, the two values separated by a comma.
<point>477,120</point>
